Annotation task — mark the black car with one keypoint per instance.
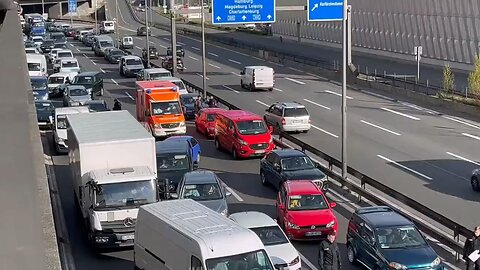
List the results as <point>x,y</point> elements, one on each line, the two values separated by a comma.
<point>59,37</point>
<point>30,44</point>
<point>180,51</point>
<point>97,105</point>
<point>173,161</point>
<point>290,164</point>
<point>45,111</point>
<point>113,56</point>
<point>92,80</point>
<point>47,45</point>
<point>153,53</point>
<point>142,31</point>
<point>88,40</point>
<point>167,63</point>
<point>60,46</point>
<point>188,104</point>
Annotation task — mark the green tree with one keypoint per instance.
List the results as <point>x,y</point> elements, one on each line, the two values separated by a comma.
<point>448,80</point>
<point>474,77</point>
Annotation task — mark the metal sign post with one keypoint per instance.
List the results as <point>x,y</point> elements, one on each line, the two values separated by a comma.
<point>418,50</point>
<point>204,57</point>
<point>147,45</point>
<point>72,8</point>
<point>173,37</point>
<point>96,19</point>
<point>117,36</point>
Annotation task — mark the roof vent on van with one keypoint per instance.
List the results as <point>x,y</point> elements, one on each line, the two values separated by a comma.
<point>122,170</point>
<point>373,209</point>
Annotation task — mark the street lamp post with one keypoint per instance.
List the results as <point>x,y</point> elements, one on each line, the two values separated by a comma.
<point>116,24</point>
<point>173,37</point>
<point>344,91</point>
<point>204,60</point>
<point>147,45</point>
<point>96,19</point>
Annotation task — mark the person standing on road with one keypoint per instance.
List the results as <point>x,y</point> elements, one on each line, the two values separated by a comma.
<point>471,245</point>
<point>117,106</point>
<point>328,254</point>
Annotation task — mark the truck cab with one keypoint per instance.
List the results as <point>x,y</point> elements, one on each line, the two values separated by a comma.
<point>158,107</point>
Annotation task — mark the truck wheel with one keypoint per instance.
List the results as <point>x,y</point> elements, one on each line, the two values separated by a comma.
<point>101,91</point>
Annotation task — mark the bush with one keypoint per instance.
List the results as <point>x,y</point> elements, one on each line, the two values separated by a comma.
<point>474,78</point>
<point>448,84</point>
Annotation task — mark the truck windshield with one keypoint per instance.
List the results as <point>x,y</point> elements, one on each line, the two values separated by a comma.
<point>61,121</point>
<point>125,194</point>
<point>39,85</point>
<point>172,163</point>
<point>34,66</point>
<point>64,55</point>
<point>251,260</point>
<point>165,108</point>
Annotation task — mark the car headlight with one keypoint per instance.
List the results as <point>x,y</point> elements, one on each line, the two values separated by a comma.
<point>331,224</point>
<point>157,126</point>
<point>293,225</point>
<point>436,262</point>
<point>294,261</point>
<point>242,142</point>
<point>182,124</point>
<point>271,139</point>
<point>397,266</point>
<point>224,212</point>
<point>89,90</point>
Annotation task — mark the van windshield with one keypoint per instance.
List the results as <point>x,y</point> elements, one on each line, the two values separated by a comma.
<point>55,80</point>
<point>64,55</point>
<point>166,108</point>
<point>34,67</point>
<point>251,260</point>
<point>131,62</point>
<point>172,163</point>
<point>251,127</point>
<point>108,24</point>
<point>159,75</point>
<point>61,121</point>
<point>38,84</point>
<point>125,194</point>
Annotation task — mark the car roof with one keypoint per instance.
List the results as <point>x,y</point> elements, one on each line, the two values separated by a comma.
<point>382,216</point>
<point>88,73</point>
<point>302,187</point>
<point>131,57</point>
<point>253,219</point>
<point>258,67</point>
<point>290,104</point>
<point>238,115</point>
<point>156,70</point>
<point>179,138</point>
<point>75,86</point>
<point>284,153</point>
<point>69,59</point>
<point>200,177</point>
<point>95,101</point>
<point>64,50</point>
<point>61,74</point>
<point>166,147</point>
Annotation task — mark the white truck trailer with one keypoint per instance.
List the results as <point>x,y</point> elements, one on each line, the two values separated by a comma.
<point>113,166</point>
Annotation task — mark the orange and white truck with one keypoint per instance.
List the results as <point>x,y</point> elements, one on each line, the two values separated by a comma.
<point>159,108</point>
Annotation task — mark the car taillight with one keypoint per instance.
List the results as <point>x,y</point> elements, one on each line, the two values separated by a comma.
<point>309,121</point>
<point>283,121</point>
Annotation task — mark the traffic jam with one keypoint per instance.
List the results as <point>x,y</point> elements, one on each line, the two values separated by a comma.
<point>137,180</point>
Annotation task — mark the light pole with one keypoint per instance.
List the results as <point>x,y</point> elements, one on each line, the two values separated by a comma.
<point>204,58</point>
<point>173,37</point>
<point>344,91</point>
<point>96,20</point>
<point>147,45</point>
<point>43,7</point>
<point>116,21</point>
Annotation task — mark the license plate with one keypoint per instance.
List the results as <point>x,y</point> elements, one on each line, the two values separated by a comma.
<point>296,121</point>
<point>259,151</point>
<point>313,233</point>
<point>128,237</point>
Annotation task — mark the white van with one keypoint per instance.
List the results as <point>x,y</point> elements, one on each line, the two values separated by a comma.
<point>184,234</point>
<point>107,27</point>
<point>60,126</point>
<point>257,77</point>
<point>182,89</point>
<point>37,65</point>
<point>69,65</point>
<point>126,43</point>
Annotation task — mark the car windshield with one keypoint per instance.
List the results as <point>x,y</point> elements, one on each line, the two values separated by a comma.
<point>78,92</point>
<point>60,46</point>
<point>297,163</point>
<point>69,64</point>
<point>202,192</point>
<point>61,121</point>
<point>180,84</point>
<point>307,202</point>
<point>172,163</point>
<point>399,237</point>
<point>188,99</point>
<point>132,62</point>
<point>251,127</point>
<point>34,67</point>
<point>55,80</point>
<point>158,75</point>
<point>257,260</point>
<point>295,112</point>
<point>116,52</point>
<point>270,236</point>
<point>83,80</point>
<point>211,117</point>
<point>43,106</point>
<point>97,107</point>
<point>125,194</point>
<point>38,84</point>
<point>64,54</point>
<point>166,108</point>
<point>48,43</point>
<point>106,44</point>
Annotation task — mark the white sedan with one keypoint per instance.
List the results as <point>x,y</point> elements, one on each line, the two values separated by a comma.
<point>279,249</point>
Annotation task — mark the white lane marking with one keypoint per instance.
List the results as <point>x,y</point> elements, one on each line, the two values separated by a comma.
<point>336,94</point>
<point>316,76</point>
<point>418,108</point>
<point>471,136</point>
<point>307,262</point>
<point>72,45</point>
<point>191,57</point>
<point>115,82</point>
<point>461,122</point>
<point>84,55</point>
<point>277,64</point>
<point>295,81</point>
<point>264,104</point>
<point>212,65</point>
<point>181,43</point>
<point>277,89</point>
<point>316,104</point>
<point>195,48</point>
<point>257,58</point>
<point>77,49</point>
<point>151,42</point>
<point>93,62</point>
<point>234,193</point>
<point>295,69</point>
<point>198,74</point>
<point>324,131</point>
<point>138,47</point>
<point>463,158</point>
<point>234,73</point>
<point>130,96</point>
<point>162,46</point>
<point>101,69</point>
<point>138,38</point>
<point>405,167</point>
<point>401,114</point>
<point>231,89</point>
<point>379,127</point>
<point>128,29</point>
<point>213,54</point>
<point>167,39</point>
<point>233,61</point>
<point>376,95</point>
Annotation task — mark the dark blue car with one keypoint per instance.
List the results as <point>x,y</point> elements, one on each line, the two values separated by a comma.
<point>382,239</point>
<point>39,87</point>
<point>188,104</point>
<point>193,144</point>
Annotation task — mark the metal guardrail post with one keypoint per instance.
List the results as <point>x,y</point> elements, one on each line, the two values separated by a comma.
<point>456,237</point>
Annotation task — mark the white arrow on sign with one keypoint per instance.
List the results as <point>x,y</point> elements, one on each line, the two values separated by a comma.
<point>269,16</point>
<point>315,7</point>
<point>244,17</point>
<point>218,18</point>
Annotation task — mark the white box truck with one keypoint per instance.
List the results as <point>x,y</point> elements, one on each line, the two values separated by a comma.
<point>184,234</point>
<point>113,166</point>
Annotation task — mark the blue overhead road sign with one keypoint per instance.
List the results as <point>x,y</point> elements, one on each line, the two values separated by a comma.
<point>243,11</point>
<point>72,6</point>
<point>325,10</point>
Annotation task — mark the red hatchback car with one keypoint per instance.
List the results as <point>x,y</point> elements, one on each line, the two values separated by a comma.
<point>304,212</point>
<point>205,121</point>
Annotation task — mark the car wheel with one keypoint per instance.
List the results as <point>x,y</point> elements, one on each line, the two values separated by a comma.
<point>262,178</point>
<point>251,88</point>
<point>270,89</point>
<point>475,183</point>
<point>351,256</point>
<point>217,145</point>
<point>234,153</point>
<point>305,131</point>
<point>241,84</point>
<point>101,91</point>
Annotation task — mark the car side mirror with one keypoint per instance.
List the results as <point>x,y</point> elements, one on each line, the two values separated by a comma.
<point>276,167</point>
<point>174,195</point>
<point>333,204</point>
<point>228,194</point>
<point>270,129</point>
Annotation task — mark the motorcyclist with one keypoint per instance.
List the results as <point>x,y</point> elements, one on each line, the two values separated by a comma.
<point>117,106</point>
